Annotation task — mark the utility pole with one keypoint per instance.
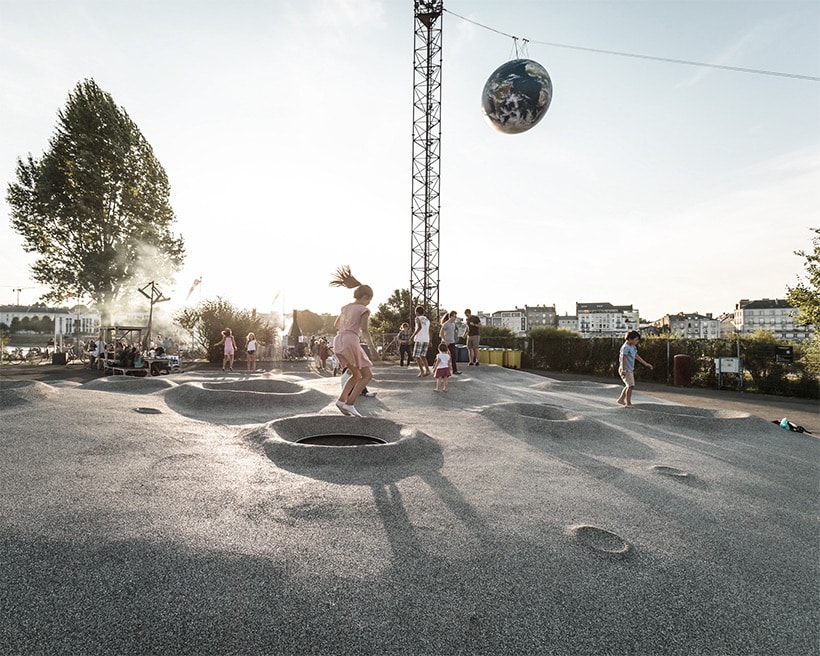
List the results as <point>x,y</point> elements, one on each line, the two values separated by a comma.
<point>424,264</point>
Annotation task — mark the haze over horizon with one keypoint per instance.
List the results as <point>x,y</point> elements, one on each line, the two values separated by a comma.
<point>285,130</point>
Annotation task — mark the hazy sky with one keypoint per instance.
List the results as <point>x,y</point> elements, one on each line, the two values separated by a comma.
<point>285,129</point>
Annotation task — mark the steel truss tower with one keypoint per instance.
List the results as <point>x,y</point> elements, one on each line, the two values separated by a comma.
<point>424,268</point>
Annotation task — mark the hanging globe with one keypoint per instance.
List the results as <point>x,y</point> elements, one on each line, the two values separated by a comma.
<point>516,96</point>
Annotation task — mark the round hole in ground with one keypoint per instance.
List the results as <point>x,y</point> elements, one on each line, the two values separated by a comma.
<point>341,440</point>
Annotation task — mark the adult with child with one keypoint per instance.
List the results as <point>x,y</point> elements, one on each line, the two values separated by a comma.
<point>353,324</point>
<point>448,337</point>
<point>626,366</point>
<point>421,341</point>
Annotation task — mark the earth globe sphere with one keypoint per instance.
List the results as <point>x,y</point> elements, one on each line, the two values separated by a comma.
<point>516,96</point>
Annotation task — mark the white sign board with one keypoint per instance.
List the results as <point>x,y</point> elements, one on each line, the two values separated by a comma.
<point>727,365</point>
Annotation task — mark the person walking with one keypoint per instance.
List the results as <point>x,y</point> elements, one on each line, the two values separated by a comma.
<point>352,324</point>
<point>441,367</point>
<point>448,336</point>
<point>229,348</point>
<point>626,366</point>
<point>324,352</point>
<point>421,341</point>
<point>251,349</point>
<point>471,335</point>
<point>403,338</point>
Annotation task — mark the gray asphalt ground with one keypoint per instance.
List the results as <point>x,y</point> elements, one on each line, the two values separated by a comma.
<point>515,514</point>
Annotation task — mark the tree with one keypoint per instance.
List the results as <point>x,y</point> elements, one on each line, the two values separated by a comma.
<point>95,207</point>
<point>316,324</point>
<point>806,295</point>
<point>211,317</point>
<point>390,315</point>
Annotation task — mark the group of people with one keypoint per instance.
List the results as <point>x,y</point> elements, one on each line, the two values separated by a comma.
<point>230,348</point>
<point>445,364</point>
<point>352,325</point>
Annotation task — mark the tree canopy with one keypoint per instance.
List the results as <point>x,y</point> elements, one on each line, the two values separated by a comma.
<point>209,318</point>
<point>805,296</point>
<point>95,207</point>
<point>390,315</point>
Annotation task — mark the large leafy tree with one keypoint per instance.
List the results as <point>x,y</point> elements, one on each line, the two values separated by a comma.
<point>805,296</point>
<point>95,207</point>
<point>390,315</point>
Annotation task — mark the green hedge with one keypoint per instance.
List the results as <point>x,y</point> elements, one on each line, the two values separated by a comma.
<point>762,372</point>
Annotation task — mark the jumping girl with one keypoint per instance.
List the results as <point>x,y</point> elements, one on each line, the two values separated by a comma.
<point>351,324</point>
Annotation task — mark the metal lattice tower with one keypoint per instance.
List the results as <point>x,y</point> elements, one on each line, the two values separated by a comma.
<point>424,269</point>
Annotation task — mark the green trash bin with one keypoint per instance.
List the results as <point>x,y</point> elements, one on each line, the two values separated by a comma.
<point>483,355</point>
<point>497,356</point>
<point>58,358</point>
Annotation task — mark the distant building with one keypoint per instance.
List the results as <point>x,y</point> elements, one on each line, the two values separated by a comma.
<point>689,326</point>
<point>65,321</point>
<point>776,316</point>
<point>727,324</point>
<point>515,320</point>
<point>568,322</point>
<point>605,319</point>
<point>540,315</point>
<point>521,320</point>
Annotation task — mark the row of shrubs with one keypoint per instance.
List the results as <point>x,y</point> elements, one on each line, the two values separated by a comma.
<point>598,357</point>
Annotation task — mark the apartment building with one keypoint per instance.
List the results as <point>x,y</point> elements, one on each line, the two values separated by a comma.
<point>540,315</point>
<point>776,316</point>
<point>605,319</point>
<point>689,326</point>
<point>515,320</point>
<point>568,322</point>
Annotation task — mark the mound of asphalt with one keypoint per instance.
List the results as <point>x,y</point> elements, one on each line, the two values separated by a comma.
<point>576,387</point>
<point>717,422</point>
<point>244,401</point>
<point>14,393</point>
<point>130,384</point>
<point>395,452</point>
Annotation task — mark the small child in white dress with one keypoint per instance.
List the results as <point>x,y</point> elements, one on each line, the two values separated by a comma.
<point>441,367</point>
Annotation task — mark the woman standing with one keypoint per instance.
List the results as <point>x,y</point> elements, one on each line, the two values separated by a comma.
<point>351,324</point>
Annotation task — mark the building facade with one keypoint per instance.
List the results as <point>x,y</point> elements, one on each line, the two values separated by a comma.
<point>605,319</point>
<point>568,322</point>
<point>541,316</point>
<point>689,326</point>
<point>776,316</point>
<point>66,321</point>
<point>515,320</point>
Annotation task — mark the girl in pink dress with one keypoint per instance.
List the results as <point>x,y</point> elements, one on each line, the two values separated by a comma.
<point>230,348</point>
<point>353,322</point>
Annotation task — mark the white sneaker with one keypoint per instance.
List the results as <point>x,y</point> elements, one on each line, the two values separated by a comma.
<point>351,410</point>
<point>370,394</point>
<point>343,407</point>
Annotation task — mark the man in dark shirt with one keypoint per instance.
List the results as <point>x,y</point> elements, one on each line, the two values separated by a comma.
<point>471,335</point>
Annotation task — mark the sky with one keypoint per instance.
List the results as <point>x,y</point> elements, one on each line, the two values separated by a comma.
<point>285,129</point>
